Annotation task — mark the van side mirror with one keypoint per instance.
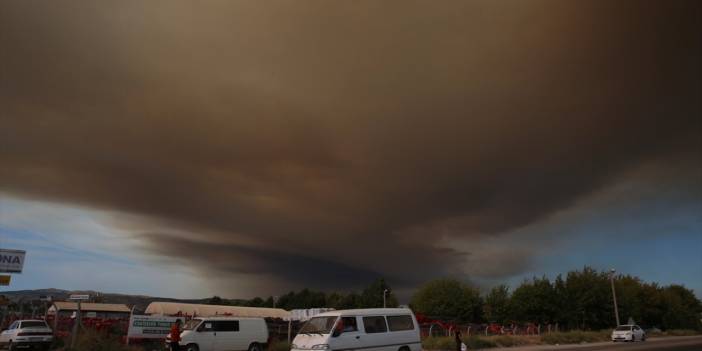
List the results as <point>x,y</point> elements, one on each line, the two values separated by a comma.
<point>336,333</point>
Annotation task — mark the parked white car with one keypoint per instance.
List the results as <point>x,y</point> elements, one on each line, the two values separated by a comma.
<point>628,332</point>
<point>379,329</point>
<point>223,334</point>
<point>25,334</point>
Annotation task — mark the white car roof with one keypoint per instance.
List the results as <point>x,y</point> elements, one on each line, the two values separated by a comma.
<point>230,318</point>
<point>366,312</point>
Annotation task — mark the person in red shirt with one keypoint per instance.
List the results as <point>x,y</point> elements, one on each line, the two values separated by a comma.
<point>175,336</point>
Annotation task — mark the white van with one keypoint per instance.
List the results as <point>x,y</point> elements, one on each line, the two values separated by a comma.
<point>378,329</point>
<point>224,334</point>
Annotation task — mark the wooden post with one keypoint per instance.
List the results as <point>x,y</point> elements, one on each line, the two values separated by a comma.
<point>56,316</point>
<point>74,334</point>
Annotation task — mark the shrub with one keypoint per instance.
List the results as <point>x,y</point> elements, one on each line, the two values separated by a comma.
<point>449,343</point>
<point>681,332</point>
<point>575,337</point>
<point>279,346</point>
<point>476,342</point>
<point>439,343</point>
<point>511,340</point>
<point>91,340</point>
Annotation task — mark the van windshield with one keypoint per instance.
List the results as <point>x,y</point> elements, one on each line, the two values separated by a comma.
<point>623,328</point>
<point>192,324</point>
<point>319,325</point>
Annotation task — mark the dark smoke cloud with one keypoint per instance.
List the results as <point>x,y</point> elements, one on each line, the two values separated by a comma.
<point>341,140</point>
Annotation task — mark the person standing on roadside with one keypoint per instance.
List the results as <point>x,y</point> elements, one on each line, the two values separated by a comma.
<point>175,336</point>
<point>459,342</point>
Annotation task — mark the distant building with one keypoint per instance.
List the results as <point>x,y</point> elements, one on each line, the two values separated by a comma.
<point>89,310</point>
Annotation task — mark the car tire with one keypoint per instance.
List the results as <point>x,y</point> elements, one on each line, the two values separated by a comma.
<point>255,347</point>
<point>192,347</point>
<point>10,347</point>
<point>404,348</point>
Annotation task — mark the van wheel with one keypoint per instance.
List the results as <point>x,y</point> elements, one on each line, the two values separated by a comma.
<point>192,347</point>
<point>254,347</point>
<point>404,348</point>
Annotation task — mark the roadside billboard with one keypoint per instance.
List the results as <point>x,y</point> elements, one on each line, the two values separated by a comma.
<point>11,261</point>
<point>150,327</point>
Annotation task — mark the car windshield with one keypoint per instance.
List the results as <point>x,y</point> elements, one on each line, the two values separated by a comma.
<point>192,324</point>
<point>623,328</point>
<point>34,324</point>
<point>318,325</point>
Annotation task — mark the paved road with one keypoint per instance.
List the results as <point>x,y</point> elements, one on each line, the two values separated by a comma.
<point>677,343</point>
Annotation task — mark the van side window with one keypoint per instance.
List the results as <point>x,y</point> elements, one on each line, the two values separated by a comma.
<point>206,326</point>
<point>375,324</point>
<point>399,323</point>
<point>226,326</point>
<point>348,324</point>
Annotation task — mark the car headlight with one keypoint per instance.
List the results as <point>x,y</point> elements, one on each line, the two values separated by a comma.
<point>320,347</point>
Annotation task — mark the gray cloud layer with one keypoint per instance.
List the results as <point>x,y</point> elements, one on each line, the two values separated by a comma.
<point>338,139</point>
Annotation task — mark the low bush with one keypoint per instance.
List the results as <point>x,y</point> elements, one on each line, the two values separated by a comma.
<point>679,332</point>
<point>449,343</point>
<point>575,337</point>
<point>439,343</point>
<point>476,342</point>
<point>514,340</point>
<point>279,346</point>
<point>91,340</point>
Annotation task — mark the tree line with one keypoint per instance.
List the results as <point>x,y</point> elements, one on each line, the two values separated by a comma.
<point>580,300</point>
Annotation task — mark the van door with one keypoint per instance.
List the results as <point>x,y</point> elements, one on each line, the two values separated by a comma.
<point>346,335</point>
<point>205,336</point>
<point>403,331</point>
<point>376,334</point>
<point>228,336</point>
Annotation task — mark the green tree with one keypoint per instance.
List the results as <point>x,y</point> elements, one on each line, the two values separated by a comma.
<point>629,295</point>
<point>682,308</point>
<point>216,300</point>
<point>372,296</point>
<point>561,301</point>
<point>349,301</point>
<point>652,306</point>
<point>534,301</point>
<point>256,302</point>
<point>448,299</point>
<point>590,297</point>
<point>496,304</point>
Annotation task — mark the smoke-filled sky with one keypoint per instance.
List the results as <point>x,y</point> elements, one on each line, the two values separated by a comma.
<point>250,148</point>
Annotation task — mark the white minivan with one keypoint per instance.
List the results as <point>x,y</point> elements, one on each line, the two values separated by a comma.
<point>378,329</point>
<point>224,334</point>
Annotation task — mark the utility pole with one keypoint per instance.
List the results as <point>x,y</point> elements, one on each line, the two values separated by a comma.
<point>384,293</point>
<point>614,295</point>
